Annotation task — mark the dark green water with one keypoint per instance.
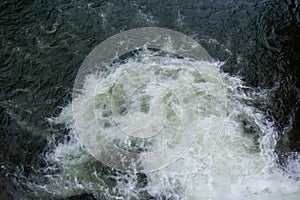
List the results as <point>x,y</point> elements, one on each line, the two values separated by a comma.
<point>43,44</point>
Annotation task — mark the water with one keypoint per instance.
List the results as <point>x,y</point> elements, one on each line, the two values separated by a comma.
<point>43,46</point>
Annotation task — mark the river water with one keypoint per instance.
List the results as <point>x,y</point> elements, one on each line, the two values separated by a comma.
<point>256,49</point>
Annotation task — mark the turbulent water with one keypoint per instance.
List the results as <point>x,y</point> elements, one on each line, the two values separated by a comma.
<point>184,103</point>
<point>222,129</point>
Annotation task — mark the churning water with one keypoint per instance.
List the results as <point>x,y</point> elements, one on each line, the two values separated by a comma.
<point>187,105</point>
<point>151,124</point>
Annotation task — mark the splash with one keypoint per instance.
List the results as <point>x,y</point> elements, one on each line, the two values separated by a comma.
<point>161,126</point>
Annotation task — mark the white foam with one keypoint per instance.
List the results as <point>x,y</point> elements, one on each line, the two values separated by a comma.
<point>230,165</point>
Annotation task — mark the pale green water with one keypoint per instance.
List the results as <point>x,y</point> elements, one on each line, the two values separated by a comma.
<point>199,149</point>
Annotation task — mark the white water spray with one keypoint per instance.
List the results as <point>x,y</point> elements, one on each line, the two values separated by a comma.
<point>179,121</point>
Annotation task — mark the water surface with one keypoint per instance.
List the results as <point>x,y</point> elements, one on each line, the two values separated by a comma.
<point>43,44</point>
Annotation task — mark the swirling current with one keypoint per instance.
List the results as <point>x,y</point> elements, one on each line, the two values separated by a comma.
<point>224,127</point>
